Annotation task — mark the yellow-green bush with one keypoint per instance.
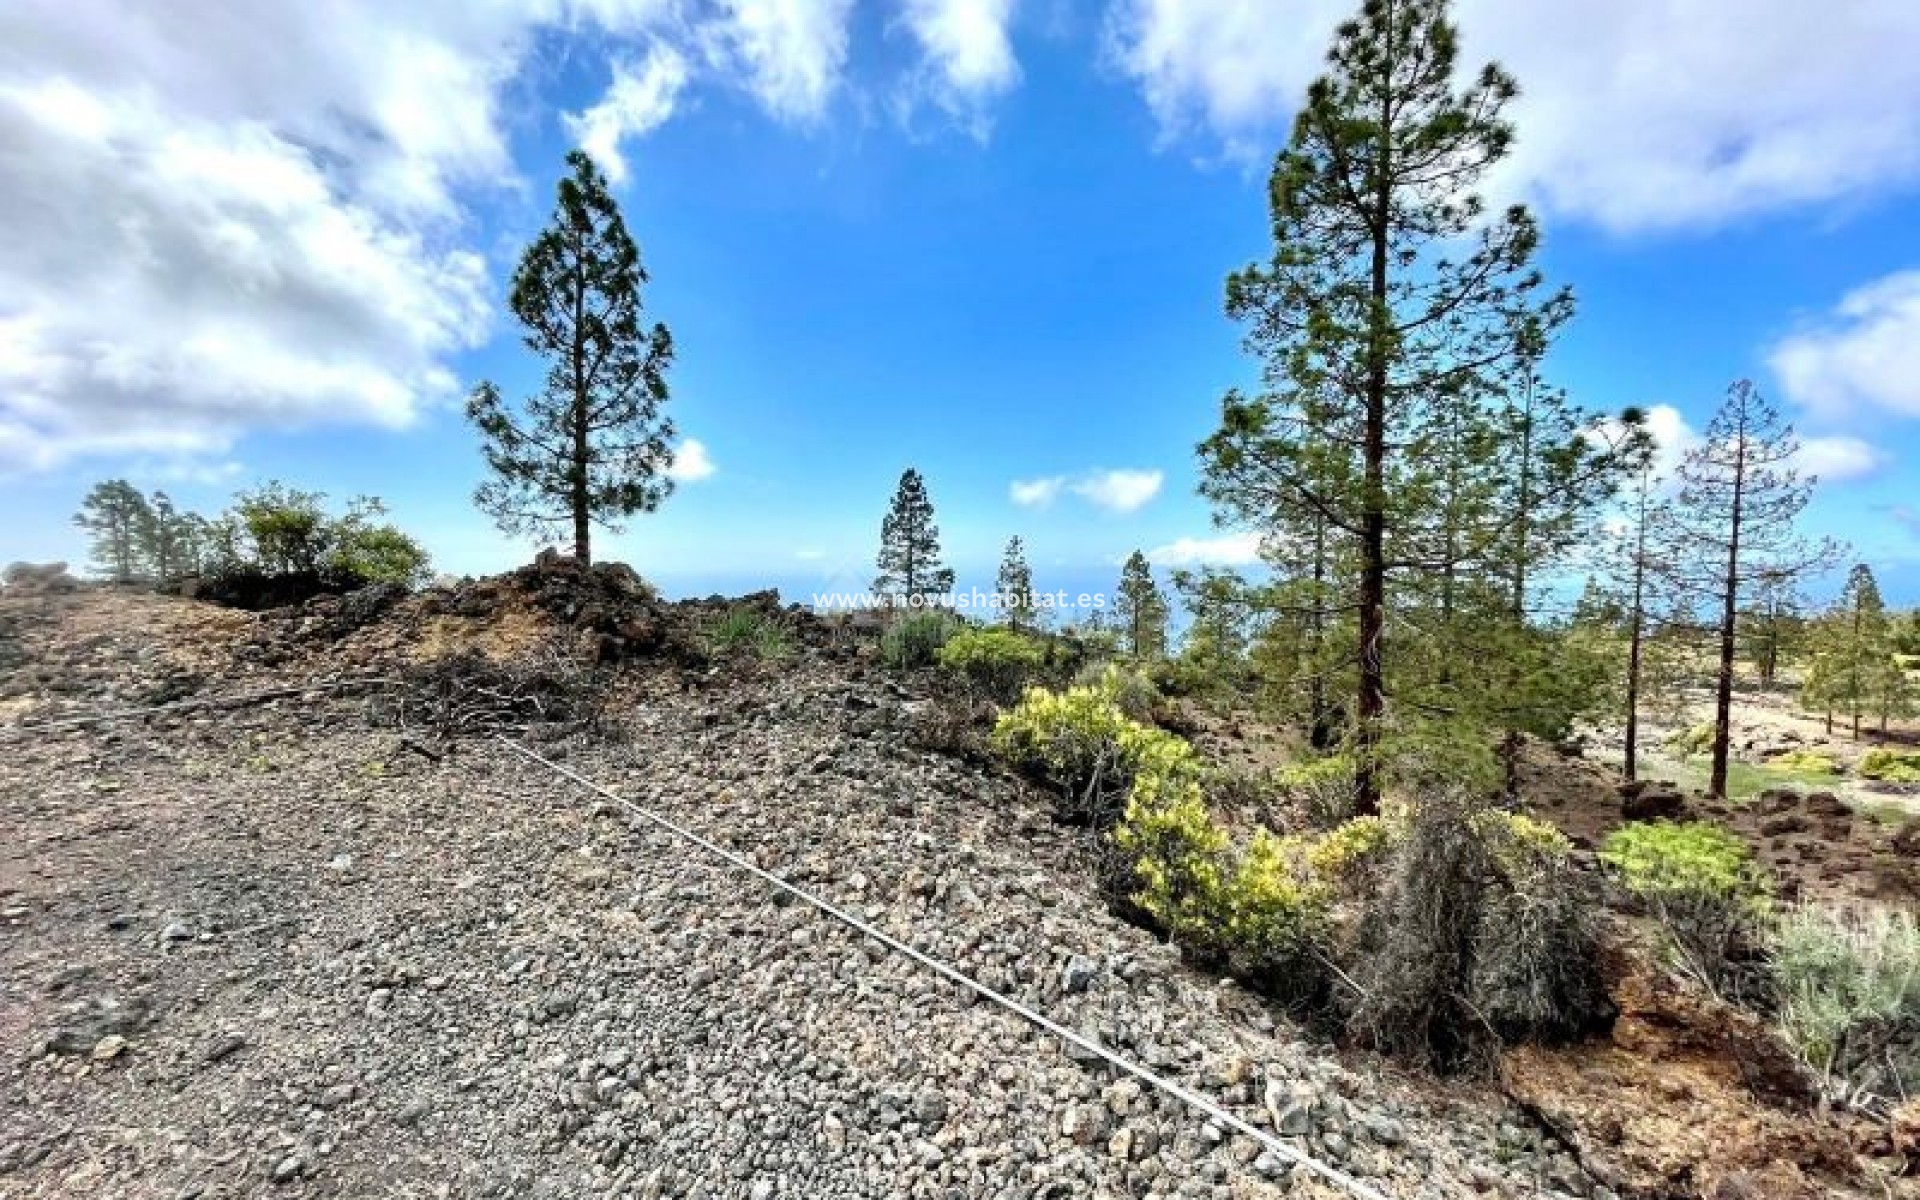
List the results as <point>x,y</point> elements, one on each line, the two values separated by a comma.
<point>1179,856</point>
<point>1348,848</point>
<point>1131,689</point>
<point>1274,910</point>
<point>1657,857</point>
<point>1523,844</point>
<point>1804,762</point>
<point>1696,740</point>
<point>1891,766</point>
<point>993,659</point>
<point>1081,742</point>
<point>1322,786</point>
<point>1703,886</point>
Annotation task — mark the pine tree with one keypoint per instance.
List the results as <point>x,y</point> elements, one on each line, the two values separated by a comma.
<point>910,567</point>
<point>1853,666</point>
<point>167,538</point>
<point>1770,624</point>
<point>592,446</point>
<point>1219,610</point>
<point>1738,501</point>
<point>1142,609</point>
<point>1381,340</point>
<point>115,515</point>
<point>1641,567</point>
<point>1016,587</point>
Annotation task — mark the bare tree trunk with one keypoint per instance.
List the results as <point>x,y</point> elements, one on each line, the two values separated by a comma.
<point>1372,699</point>
<point>1723,693</point>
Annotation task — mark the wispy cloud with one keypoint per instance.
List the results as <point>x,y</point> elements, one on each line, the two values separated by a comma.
<point>1863,358</point>
<point>1836,459</point>
<point>1118,490</point>
<point>641,99</point>
<point>967,57</point>
<point>1035,493</point>
<point>1629,108</point>
<point>1225,550</point>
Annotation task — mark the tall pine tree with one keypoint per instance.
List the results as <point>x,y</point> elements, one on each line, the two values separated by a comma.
<point>592,445</point>
<point>1016,587</point>
<point>1853,667</point>
<point>115,516</point>
<point>167,539</point>
<point>1142,609</point>
<point>1739,498</point>
<point>910,568</point>
<point>1383,341</point>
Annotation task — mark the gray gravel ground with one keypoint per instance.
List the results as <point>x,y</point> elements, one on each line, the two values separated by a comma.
<point>269,951</point>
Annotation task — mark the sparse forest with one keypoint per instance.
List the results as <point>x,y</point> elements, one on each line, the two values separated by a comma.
<point>1507,745</point>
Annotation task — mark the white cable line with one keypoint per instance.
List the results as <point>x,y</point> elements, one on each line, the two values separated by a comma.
<point>1185,1095</point>
<point>200,702</point>
<point>1332,1174</point>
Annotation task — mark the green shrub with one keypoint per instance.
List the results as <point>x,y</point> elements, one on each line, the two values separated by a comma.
<point>1696,740</point>
<point>1848,990</point>
<point>288,528</point>
<point>360,548</point>
<point>1178,856</point>
<point>1804,762</point>
<point>1273,915</point>
<point>1350,848</point>
<point>1256,909</point>
<point>1079,741</point>
<point>1130,688</point>
<point>1891,766</point>
<point>1323,787</point>
<point>995,660</point>
<point>915,639</point>
<point>1703,886</point>
<point>746,631</point>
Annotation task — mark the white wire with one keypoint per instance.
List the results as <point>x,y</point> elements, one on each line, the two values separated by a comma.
<point>1185,1095</point>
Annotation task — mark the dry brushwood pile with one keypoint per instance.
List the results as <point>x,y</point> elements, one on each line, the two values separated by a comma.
<point>344,942</point>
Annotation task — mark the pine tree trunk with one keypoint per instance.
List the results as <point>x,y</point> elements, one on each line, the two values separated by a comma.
<point>1635,638</point>
<point>1372,698</point>
<point>577,480</point>
<point>1316,624</point>
<point>1723,693</point>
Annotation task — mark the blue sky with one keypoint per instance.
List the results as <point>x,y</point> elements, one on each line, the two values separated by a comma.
<point>986,238</point>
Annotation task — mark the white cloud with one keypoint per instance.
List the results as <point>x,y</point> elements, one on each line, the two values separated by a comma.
<point>691,462</point>
<point>1036,493</point>
<point>791,52</point>
<point>228,218</point>
<point>1633,113</point>
<point>1835,459</point>
<point>1672,438</point>
<point>640,100</point>
<point>215,278</point>
<point>1226,550</point>
<point>1120,491</point>
<point>967,57</point>
<point>1866,356</point>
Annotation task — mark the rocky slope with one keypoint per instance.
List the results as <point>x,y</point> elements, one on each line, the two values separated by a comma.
<point>272,949</point>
